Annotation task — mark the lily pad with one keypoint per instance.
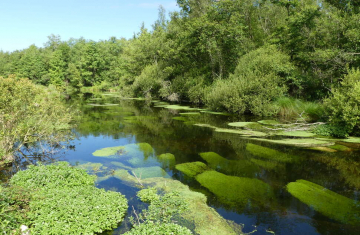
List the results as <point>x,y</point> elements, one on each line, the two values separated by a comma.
<point>268,153</point>
<point>192,169</point>
<point>327,202</point>
<point>269,122</point>
<point>240,124</point>
<point>235,191</point>
<point>111,152</point>
<point>297,133</point>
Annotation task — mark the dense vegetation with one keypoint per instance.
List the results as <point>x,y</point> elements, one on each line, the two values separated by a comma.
<point>244,56</point>
<point>58,199</point>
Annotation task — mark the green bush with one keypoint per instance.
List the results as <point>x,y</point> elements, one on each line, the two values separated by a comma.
<point>65,201</point>
<point>260,78</point>
<point>343,106</point>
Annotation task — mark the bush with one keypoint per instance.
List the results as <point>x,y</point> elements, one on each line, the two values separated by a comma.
<point>30,113</point>
<point>65,201</point>
<point>260,78</point>
<point>343,106</point>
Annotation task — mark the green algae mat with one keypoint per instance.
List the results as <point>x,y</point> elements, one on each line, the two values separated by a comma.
<point>331,204</point>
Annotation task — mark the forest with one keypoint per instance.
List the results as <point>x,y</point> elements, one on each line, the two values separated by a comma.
<point>287,58</point>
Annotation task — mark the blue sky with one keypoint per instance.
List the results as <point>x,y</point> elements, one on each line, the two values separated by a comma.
<point>26,22</point>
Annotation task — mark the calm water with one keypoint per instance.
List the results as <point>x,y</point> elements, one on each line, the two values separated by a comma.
<point>109,126</point>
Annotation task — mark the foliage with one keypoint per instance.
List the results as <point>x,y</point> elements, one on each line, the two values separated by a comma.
<point>158,218</point>
<point>343,106</point>
<point>65,201</point>
<point>192,169</point>
<point>30,113</point>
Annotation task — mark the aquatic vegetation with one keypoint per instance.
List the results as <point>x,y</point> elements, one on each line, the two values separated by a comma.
<point>121,165</point>
<point>148,195</point>
<point>189,113</point>
<point>205,125</point>
<point>110,152</point>
<point>269,122</point>
<point>340,147</point>
<point>92,167</point>
<point>126,98</point>
<point>324,149</point>
<point>235,191</point>
<point>179,107</point>
<point>325,201</point>
<point>149,172</point>
<point>354,140</point>
<point>268,153</point>
<point>265,164</point>
<point>103,105</point>
<point>140,161</point>
<point>149,228</point>
<point>240,124</point>
<point>217,162</point>
<point>167,159</point>
<point>207,221</point>
<point>215,113</point>
<point>297,133</point>
<point>299,142</point>
<point>192,169</point>
<point>67,202</point>
<point>241,132</point>
<point>180,118</point>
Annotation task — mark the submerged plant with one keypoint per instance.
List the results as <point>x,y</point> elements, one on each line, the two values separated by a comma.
<point>325,201</point>
<point>192,169</point>
<point>270,154</point>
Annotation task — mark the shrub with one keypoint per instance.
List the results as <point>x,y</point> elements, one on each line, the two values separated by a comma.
<point>260,78</point>
<point>65,201</point>
<point>343,106</point>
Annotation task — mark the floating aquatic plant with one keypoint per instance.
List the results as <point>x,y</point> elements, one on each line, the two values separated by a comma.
<point>180,118</point>
<point>299,142</point>
<point>324,149</point>
<point>150,172</point>
<point>241,132</point>
<point>340,147</point>
<point>269,122</point>
<point>110,152</point>
<point>265,164</point>
<point>92,167</point>
<point>297,133</point>
<point>240,124</point>
<point>325,201</point>
<point>190,113</point>
<point>192,169</point>
<point>167,160</point>
<point>235,191</point>
<point>268,153</point>
<point>215,113</point>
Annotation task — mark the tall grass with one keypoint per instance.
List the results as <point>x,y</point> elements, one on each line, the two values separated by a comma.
<point>290,108</point>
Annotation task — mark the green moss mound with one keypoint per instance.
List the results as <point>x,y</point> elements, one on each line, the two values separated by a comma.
<point>240,124</point>
<point>215,113</point>
<point>167,160</point>
<point>340,147</point>
<point>235,191</point>
<point>110,152</point>
<point>178,107</point>
<point>354,140</point>
<point>242,132</point>
<point>64,200</point>
<point>150,228</point>
<point>297,133</point>
<point>265,164</point>
<point>190,113</point>
<point>268,153</point>
<point>329,203</point>
<point>192,169</point>
<point>184,119</point>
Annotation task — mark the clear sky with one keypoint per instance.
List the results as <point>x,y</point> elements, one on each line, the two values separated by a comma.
<point>26,22</point>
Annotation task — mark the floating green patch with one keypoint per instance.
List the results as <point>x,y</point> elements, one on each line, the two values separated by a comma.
<point>340,147</point>
<point>242,167</point>
<point>167,160</point>
<point>297,133</point>
<point>190,113</point>
<point>111,152</point>
<point>354,140</point>
<point>264,164</point>
<point>268,153</point>
<point>140,98</point>
<point>92,167</point>
<point>241,132</point>
<point>329,203</point>
<point>324,149</point>
<point>240,124</point>
<point>149,172</point>
<point>121,165</point>
<point>235,191</point>
<point>215,113</point>
<point>269,122</point>
<point>204,125</point>
<point>184,119</point>
<point>103,105</point>
<point>299,142</point>
<point>192,169</point>
<point>179,107</point>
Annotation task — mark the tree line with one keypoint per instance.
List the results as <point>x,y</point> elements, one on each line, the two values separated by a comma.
<point>241,56</point>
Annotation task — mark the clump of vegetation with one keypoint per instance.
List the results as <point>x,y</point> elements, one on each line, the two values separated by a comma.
<point>270,154</point>
<point>235,191</point>
<point>110,152</point>
<point>64,200</point>
<point>158,218</point>
<point>192,169</point>
<point>30,113</point>
<point>326,202</point>
<point>343,107</point>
